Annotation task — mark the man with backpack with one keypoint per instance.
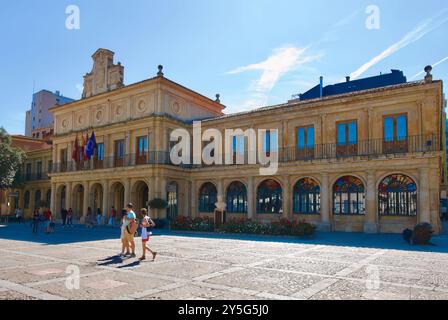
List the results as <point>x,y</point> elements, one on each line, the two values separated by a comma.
<point>131,228</point>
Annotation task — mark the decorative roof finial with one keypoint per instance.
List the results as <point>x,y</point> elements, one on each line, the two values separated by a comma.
<point>428,77</point>
<point>160,73</point>
<point>217,98</point>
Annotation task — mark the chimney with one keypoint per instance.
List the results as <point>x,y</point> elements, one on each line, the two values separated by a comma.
<point>347,79</point>
<point>428,77</point>
<point>321,86</point>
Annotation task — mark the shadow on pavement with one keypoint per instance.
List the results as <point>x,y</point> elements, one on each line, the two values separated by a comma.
<point>340,239</point>
<point>110,260</point>
<point>79,233</point>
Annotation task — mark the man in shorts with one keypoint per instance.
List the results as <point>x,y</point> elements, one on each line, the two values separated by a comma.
<point>131,227</point>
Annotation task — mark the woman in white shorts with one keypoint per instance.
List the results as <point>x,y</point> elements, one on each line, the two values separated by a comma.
<point>146,223</point>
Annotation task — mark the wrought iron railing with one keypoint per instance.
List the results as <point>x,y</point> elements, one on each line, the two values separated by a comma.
<point>366,148</point>
<point>39,176</point>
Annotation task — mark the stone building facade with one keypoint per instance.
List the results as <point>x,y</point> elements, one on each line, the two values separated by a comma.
<point>36,190</point>
<point>367,161</point>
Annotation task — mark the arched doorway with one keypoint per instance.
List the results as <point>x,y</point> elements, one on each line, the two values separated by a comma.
<point>61,200</point>
<point>397,196</point>
<point>37,199</point>
<point>349,196</point>
<point>48,199</point>
<point>78,201</point>
<point>172,196</point>
<point>139,195</point>
<point>236,198</point>
<point>117,196</point>
<point>26,200</point>
<point>306,197</point>
<point>269,197</point>
<point>96,196</point>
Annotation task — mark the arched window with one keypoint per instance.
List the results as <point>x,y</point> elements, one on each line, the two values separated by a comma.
<point>306,196</point>
<point>37,198</point>
<point>48,199</point>
<point>26,200</point>
<point>207,197</point>
<point>236,198</point>
<point>269,197</point>
<point>349,196</point>
<point>397,195</point>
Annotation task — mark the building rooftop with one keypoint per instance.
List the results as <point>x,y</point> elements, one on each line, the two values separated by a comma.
<point>28,144</point>
<point>302,103</point>
<point>382,80</point>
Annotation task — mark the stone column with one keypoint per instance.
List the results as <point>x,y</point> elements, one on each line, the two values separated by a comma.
<point>423,192</point>
<point>69,154</point>
<point>434,203</point>
<point>127,191</point>
<point>32,206</point>
<point>105,185</point>
<point>128,148</point>
<point>250,198</point>
<point>54,155</point>
<point>325,224</point>
<point>68,196</point>
<point>186,206</point>
<point>371,221</point>
<point>193,198</point>
<point>221,194</point>
<point>286,195</point>
<point>86,200</point>
<point>53,200</point>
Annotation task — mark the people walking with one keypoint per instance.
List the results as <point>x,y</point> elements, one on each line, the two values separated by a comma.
<point>48,220</point>
<point>90,220</point>
<point>19,215</point>
<point>98,216</point>
<point>64,217</point>
<point>146,224</point>
<point>124,243</point>
<point>113,216</point>
<point>131,228</point>
<point>36,219</point>
<point>70,217</point>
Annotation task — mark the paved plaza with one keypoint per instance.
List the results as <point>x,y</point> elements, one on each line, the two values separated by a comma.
<point>210,266</point>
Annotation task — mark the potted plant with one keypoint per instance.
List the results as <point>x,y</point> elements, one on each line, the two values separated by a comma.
<point>422,234</point>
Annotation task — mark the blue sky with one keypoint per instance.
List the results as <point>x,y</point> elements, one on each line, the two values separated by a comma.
<point>252,52</point>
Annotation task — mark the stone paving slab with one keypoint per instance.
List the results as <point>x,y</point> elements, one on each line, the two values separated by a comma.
<point>270,281</point>
<point>307,265</point>
<point>44,272</point>
<point>14,295</point>
<point>353,290</point>
<point>211,266</point>
<point>102,286</point>
<point>195,292</point>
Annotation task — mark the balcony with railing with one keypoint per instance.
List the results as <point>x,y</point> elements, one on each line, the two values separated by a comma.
<point>35,176</point>
<point>366,148</point>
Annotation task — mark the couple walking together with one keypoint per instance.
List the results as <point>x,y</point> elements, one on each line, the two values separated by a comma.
<point>129,228</point>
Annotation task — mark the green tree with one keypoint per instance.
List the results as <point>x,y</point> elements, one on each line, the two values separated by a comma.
<point>11,160</point>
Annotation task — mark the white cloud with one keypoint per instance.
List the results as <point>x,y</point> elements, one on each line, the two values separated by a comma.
<point>280,62</point>
<point>416,34</point>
